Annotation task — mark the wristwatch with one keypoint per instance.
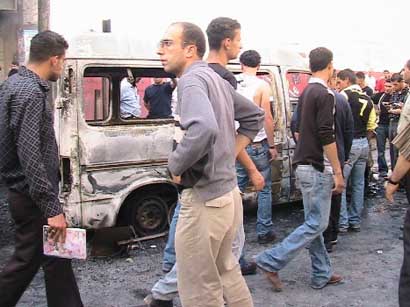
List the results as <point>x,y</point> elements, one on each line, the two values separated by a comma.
<point>392,182</point>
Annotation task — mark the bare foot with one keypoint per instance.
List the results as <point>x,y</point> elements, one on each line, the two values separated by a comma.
<point>275,280</point>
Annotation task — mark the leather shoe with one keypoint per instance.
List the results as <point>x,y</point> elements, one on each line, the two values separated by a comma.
<point>248,268</point>
<point>329,247</point>
<point>334,279</point>
<point>152,302</point>
<point>267,238</point>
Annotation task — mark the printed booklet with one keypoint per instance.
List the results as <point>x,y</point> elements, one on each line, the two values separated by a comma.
<point>74,246</point>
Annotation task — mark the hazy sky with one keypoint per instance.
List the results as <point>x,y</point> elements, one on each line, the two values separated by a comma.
<point>362,34</point>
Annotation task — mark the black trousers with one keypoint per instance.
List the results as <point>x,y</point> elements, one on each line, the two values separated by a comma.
<point>61,286</point>
<point>332,230</point>
<point>404,284</point>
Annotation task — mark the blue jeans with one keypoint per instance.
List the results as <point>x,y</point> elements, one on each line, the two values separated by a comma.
<point>393,150</point>
<point>169,251</point>
<point>354,169</point>
<point>259,153</point>
<point>382,134</point>
<point>316,189</point>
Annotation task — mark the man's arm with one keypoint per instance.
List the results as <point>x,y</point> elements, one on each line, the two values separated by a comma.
<point>28,133</point>
<point>401,168</point>
<point>201,128</point>
<point>349,130</point>
<point>325,124</point>
<point>405,115</point>
<point>262,99</point>
<point>331,153</point>
<point>246,120</point>
<point>254,175</point>
<point>402,142</point>
<point>372,122</point>
<point>146,98</point>
<point>249,116</point>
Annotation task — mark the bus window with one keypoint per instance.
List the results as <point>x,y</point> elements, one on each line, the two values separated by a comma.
<point>152,98</point>
<point>121,95</point>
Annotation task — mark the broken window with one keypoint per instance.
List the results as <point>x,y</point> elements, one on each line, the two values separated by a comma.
<point>125,95</point>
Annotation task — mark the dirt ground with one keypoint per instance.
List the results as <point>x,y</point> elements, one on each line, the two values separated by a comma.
<point>369,261</point>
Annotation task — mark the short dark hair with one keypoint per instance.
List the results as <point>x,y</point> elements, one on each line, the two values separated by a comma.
<point>192,34</point>
<point>320,58</point>
<point>45,45</point>
<point>386,70</point>
<point>219,29</point>
<point>347,74</point>
<point>396,77</point>
<point>360,75</point>
<point>250,58</point>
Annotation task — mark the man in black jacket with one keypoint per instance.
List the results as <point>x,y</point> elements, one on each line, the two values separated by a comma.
<point>315,175</point>
<point>381,100</point>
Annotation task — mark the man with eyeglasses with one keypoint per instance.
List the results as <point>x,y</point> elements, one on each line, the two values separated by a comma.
<point>224,39</point>
<point>203,163</point>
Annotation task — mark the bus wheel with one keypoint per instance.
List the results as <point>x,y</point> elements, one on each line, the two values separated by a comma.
<point>149,215</point>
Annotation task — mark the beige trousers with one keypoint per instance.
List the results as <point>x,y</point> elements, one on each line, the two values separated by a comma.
<point>208,272</point>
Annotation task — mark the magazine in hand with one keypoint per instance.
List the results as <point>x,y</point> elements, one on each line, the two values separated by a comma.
<point>73,247</point>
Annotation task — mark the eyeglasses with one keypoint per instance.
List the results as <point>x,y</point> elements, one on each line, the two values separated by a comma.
<point>166,43</point>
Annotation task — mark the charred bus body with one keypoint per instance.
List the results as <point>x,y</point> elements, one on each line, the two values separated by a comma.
<point>114,169</point>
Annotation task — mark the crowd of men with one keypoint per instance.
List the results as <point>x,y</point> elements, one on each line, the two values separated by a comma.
<point>225,139</point>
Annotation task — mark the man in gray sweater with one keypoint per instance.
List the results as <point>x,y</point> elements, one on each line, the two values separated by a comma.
<point>204,164</point>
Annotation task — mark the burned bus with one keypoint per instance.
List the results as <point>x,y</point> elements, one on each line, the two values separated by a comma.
<point>114,169</point>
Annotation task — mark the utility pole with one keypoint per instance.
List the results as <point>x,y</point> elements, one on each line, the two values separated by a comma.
<point>43,15</point>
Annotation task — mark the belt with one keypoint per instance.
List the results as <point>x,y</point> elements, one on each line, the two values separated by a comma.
<point>258,144</point>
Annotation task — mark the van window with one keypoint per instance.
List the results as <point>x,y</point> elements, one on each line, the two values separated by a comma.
<point>96,98</point>
<point>153,98</point>
<point>126,95</point>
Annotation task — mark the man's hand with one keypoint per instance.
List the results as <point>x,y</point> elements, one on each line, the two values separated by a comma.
<point>395,111</point>
<point>273,153</point>
<point>257,179</point>
<point>58,227</point>
<point>339,184</point>
<point>370,134</point>
<point>176,179</point>
<point>390,189</point>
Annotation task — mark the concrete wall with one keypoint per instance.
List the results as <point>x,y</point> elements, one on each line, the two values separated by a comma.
<point>8,40</point>
<point>11,33</point>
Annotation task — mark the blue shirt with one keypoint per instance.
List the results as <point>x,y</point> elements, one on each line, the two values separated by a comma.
<point>129,102</point>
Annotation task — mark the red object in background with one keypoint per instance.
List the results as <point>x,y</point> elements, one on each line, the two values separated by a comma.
<point>297,82</point>
<point>380,85</point>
